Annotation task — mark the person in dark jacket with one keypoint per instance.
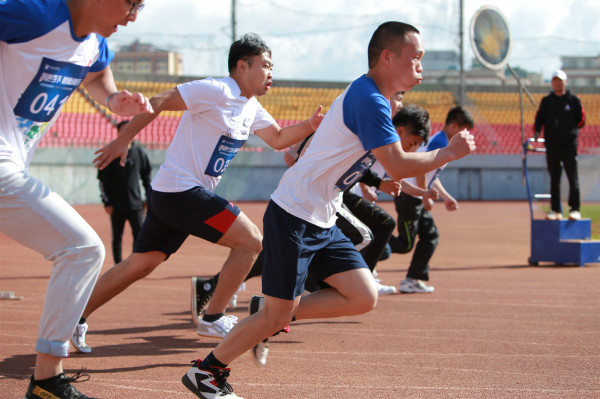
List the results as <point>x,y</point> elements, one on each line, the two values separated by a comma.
<point>561,115</point>
<point>121,194</point>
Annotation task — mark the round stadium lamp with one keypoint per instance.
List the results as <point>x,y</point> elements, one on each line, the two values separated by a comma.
<point>490,37</point>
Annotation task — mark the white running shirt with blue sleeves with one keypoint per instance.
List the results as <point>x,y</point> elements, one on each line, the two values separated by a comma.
<point>42,62</point>
<point>339,153</point>
<point>218,121</point>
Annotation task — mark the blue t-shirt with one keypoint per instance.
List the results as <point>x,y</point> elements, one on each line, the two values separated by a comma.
<point>358,121</point>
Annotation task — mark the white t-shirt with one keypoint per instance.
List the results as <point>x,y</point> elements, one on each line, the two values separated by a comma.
<point>437,141</point>
<point>42,62</point>
<point>216,124</point>
<point>339,153</point>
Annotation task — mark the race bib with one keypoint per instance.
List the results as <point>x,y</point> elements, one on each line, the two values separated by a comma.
<point>355,171</point>
<point>48,91</point>
<point>224,152</point>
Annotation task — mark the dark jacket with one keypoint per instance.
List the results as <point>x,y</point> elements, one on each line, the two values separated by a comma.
<point>560,117</point>
<point>120,186</point>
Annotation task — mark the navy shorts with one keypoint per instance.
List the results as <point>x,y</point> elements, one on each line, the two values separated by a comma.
<point>172,217</point>
<point>294,247</point>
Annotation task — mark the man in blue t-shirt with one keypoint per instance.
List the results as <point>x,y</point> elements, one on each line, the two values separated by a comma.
<point>299,223</point>
<point>48,48</point>
<point>414,218</point>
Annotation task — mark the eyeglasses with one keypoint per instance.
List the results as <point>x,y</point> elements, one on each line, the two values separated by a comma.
<point>136,7</point>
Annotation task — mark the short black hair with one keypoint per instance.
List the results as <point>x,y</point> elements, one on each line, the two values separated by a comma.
<point>245,47</point>
<point>385,36</point>
<point>415,119</point>
<point>121,124</point>
<point>460,116</point>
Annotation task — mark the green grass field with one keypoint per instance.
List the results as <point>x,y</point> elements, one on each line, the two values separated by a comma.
<point>588,211</point>
<point>592,211</point>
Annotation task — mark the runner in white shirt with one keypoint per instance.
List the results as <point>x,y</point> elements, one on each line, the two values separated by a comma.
<point>299,223</point>
<point>47,49</point>
<point>219,115</point>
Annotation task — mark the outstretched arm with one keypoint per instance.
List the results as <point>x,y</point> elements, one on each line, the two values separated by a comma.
<point>280,138</point>
<point>101,86</point>
<point>169,100</point>
<point>399,164</point>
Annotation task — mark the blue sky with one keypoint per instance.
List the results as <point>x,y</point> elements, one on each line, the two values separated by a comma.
<point>326,40</point>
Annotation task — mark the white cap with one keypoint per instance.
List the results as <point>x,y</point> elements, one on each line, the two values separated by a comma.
<point>559,73</point>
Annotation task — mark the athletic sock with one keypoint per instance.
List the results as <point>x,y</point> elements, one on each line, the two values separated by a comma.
<point>209,361</point>
<point>212,317</point>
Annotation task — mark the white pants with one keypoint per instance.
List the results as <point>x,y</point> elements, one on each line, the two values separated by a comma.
<point>33,215</point>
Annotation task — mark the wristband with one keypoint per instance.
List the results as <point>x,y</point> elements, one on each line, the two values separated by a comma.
<point>108,101</point>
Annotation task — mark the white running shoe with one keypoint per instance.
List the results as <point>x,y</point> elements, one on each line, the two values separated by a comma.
<point>78,338</point>
<point>574,215</point>
<point>553,215</point>
<point>218,328</point>
<point>233,300</point>
<point>384,289</point>
<point>260,352</point>
<point>414,286</point>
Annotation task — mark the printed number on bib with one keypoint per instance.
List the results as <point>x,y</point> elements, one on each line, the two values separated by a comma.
<point>223,153</point>
<point>355,171</point>
<point>49,90</point>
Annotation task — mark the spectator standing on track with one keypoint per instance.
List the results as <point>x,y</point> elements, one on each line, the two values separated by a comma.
<point>47,49</point>
<point>121,194</point>
<point>560,116</point>
<point>299,222</point>
<point>414,216</point>
<point>218,117</point>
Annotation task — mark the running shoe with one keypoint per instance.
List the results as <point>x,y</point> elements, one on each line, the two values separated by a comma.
<point>574,215</point>
<point>218,328</point>
<point>384,289</point>
<point>260,351</point>
<point>208,384</point>
<point>414,286</point>
<point>202,291</point>
<point>233,300</point>
<point>57,387</point>
<point>553,215</point>
<point>78,338</point>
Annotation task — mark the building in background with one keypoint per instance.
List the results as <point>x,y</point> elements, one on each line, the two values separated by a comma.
<point>582,71</point>
<point>442,67</point>
<point>145,59</point>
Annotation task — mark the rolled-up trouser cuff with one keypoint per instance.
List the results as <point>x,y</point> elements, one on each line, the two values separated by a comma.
<point>58,349</point>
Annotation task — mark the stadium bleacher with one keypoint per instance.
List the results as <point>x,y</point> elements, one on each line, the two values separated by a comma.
<point>496,114</point>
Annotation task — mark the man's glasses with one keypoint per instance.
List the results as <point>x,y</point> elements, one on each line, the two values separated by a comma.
<point>136,7</point>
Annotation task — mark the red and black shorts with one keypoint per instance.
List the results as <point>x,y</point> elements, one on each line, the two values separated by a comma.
<point>172,217</point>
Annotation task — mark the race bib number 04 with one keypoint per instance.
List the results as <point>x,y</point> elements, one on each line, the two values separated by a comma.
<point>49,90</point>
<point>224,152</point>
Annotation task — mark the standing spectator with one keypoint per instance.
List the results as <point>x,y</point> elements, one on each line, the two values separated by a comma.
<point>47,49</point>
<point>414,216</point>
<point>120,191</point>
<point>559,117</point>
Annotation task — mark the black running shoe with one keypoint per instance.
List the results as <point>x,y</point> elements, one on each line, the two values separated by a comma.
<point>57,387</point>
<point>202,291</point>
<point>208,384</point>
